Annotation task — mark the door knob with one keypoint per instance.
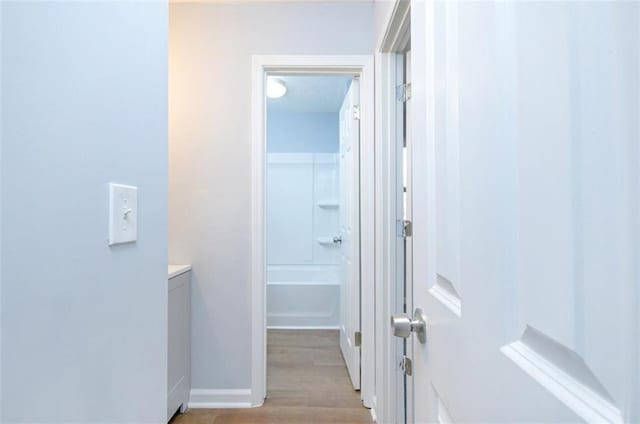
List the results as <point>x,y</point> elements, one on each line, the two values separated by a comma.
<point>403,325</point>
<point>337,239</point>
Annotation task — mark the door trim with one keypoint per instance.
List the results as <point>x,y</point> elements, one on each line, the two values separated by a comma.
<point>396,34</point>
<point>361,66</point>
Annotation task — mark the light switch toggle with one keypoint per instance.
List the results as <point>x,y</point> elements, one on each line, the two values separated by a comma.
<point>123,214</point>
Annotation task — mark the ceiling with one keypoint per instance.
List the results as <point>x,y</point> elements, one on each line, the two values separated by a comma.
<point>311,94</point>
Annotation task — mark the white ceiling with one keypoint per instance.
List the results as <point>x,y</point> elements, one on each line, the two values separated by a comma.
<point>311,94</point>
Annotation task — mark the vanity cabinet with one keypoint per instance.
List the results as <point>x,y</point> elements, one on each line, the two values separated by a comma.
<point>179,338</point>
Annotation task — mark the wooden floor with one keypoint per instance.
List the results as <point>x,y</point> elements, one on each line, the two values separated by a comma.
<point>307,382</point>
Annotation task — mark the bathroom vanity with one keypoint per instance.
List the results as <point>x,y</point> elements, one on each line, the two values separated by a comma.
<point>179,338</point>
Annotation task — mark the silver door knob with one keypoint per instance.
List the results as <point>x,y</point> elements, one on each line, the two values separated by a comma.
<point>337,239</point>
<point>403,325</point>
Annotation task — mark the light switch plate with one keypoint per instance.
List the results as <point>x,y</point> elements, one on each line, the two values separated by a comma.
<point>123,214</point>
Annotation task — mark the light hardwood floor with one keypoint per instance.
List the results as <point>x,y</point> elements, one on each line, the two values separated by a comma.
<point>307,382</point>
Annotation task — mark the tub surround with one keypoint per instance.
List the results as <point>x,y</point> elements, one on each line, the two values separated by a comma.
<point>302,209</point>
<point>303,280</point>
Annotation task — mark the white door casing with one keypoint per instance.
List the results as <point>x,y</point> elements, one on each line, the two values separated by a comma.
<point>349,256</point>
<point>400,280</point>
<point>525,211</point>
<point>408,214</point>
<point>395,40</point>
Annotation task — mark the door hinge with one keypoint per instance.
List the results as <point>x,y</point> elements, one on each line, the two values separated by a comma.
<point>403,92</point>
<point>357,339</point>
<point>356,113</point>
<point>406,365</point>
<point>407,228</point>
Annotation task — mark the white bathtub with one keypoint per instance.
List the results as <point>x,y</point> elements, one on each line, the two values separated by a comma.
<point>303,296</point>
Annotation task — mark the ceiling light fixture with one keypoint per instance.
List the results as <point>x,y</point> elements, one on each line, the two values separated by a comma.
<point>275,88</point>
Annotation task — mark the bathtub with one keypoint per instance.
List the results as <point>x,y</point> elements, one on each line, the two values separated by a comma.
<point>303,296</point>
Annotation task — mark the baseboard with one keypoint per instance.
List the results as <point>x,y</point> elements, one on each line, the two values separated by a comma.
<point>220,398</point>
<point>294,327</point>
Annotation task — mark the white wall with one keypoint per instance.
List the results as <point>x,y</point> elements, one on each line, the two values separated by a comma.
<point>84,103</point>
<point>1,212</point>
<point>210,169</point>
<point>302,132</point>
<point>382,10</point>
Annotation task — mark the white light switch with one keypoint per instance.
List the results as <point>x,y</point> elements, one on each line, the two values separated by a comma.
<point>123,214</point>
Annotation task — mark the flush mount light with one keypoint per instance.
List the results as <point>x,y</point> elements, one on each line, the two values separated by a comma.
<point>275,88</point>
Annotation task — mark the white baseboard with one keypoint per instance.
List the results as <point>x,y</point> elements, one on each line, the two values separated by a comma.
<point>220,398</point>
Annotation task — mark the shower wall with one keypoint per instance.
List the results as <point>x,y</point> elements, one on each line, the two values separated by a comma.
<point>302,218</point>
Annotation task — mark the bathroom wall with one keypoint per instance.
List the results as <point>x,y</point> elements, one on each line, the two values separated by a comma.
<point>210,150</point>
<point>301,174</point>
<point>302,217</point>
<point>84,102</point>
<point>302,132</point>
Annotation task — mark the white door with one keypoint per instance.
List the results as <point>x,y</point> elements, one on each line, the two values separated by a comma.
<point>526,211</point>
<point>350,233</point>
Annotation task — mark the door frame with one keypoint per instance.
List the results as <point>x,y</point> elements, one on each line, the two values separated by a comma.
<point>398,29</point>
<point>357,65</point>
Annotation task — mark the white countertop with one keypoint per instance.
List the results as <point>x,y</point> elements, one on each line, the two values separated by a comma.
<point>175,270</point>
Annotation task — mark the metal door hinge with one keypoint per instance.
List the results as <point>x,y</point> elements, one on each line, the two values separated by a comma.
<point>357,339</point>
<point>407,228</point>
<point>356,113</point>
<point>403,92</point>
<point>406,365</point>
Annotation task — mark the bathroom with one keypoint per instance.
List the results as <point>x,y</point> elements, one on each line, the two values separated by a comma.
<point>303,280</point>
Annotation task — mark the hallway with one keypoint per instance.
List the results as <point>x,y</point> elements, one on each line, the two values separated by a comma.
<point>307,383</point>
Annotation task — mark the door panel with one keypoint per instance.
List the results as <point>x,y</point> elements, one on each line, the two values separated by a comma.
<point>447,178</point>
<point>350,233</point>
<point>525,210</point>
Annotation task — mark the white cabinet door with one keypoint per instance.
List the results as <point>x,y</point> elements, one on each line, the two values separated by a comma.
<point>179,343</point>
<point>526,211</point>
<point>349,232</point>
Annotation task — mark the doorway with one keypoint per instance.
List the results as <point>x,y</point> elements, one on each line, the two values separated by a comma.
<point>313,234</point>
<point>312,268</point>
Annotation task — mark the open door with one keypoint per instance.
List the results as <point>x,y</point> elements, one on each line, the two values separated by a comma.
<point>349,238</point>
<point>525,212</point>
